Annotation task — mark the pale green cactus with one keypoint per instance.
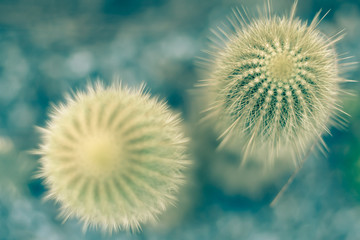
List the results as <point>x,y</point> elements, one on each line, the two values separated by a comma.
<point>274,84</point>
<point>112,157</point>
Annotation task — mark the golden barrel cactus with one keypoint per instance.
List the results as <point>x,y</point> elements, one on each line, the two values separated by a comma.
<point>113,157</point>
<point>274,84</point>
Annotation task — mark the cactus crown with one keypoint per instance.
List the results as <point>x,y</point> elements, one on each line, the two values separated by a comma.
<point>113,157</point>
<point>274,83</point>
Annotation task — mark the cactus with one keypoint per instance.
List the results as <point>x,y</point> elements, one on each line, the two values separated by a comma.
<point>274,84</point>
<point>112,157</point>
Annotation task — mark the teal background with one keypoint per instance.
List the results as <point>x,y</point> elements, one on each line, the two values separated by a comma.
<point>49,48</point>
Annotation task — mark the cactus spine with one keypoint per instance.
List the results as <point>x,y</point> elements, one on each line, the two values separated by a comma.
<point>112,157</point>
<point>274,84</point>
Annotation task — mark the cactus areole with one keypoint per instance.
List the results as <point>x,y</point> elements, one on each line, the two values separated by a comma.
<point>112,157</point>
<point>274,82</point>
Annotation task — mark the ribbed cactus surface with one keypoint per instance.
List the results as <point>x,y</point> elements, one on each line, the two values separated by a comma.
<point>112,157</point>
<point>274,83</point>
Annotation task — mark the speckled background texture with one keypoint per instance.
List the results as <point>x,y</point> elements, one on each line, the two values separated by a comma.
<point>49,48</point>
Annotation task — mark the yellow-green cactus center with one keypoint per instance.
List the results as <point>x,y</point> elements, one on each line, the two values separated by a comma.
<point>99,155</point>
<point>281,66</point>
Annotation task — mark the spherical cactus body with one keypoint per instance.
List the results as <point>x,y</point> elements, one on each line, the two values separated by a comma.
<point>112,157</point>
<point>274,84</point>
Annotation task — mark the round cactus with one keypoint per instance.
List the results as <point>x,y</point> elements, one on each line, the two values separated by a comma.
<point>112,157</point>
<point>274,83</point>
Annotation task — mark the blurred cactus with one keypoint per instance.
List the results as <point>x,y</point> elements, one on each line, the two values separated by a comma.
<point>112,157</point>
<point>274,84</point>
